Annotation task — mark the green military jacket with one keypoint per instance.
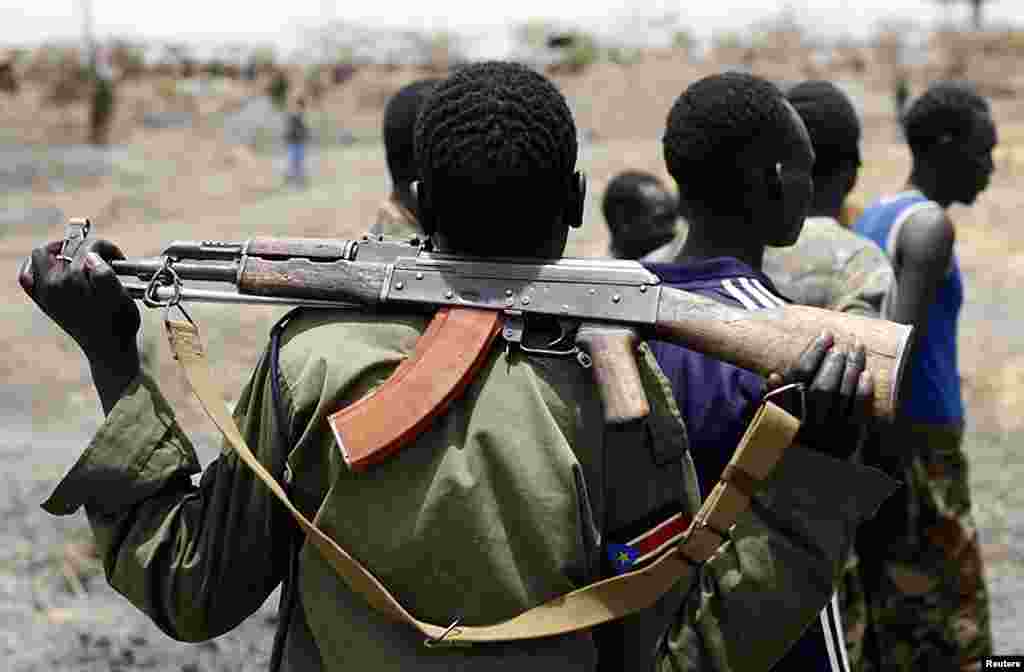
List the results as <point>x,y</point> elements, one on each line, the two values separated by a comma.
<point>504,503</point>
<point>831,267</point>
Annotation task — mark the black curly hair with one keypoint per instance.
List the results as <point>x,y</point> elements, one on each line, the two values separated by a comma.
<point>715,137</point>
<point>946,110</point>
<point>832,123</point>
<point>623,192</point>
<point>496,148</point>
<point>399,129</point>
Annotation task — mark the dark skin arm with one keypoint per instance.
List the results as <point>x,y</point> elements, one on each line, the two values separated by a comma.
<point>924,250</point>
<point>86,300</point>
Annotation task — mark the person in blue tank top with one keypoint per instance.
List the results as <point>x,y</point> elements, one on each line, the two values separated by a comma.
<point>738,130</point>
<point>929,600</point>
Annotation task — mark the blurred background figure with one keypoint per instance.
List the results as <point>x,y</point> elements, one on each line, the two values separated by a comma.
<point>641,214</point>
<point>296,136</point>
<point>901,94</point>
<point>397,214</point>
<point>8,79</point>
<point>278,89</point>
<point>101,112</point>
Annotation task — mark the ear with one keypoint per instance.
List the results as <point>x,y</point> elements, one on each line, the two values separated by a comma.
<point>424,208</point>
<point>851,176</point>
<point>576,200</point>
<point>761,186</point>
<point>773,182</point>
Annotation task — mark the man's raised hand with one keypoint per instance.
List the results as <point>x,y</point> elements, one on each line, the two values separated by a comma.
<point>85,298</point>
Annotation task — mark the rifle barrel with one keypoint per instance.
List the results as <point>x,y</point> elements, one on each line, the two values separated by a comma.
<point>144,269</point>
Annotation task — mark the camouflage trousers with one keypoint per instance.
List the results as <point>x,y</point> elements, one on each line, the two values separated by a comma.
<point>927,605</point>
<point>853,606</point>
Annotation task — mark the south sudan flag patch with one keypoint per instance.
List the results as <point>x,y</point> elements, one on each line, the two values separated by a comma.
<point>627,556</point>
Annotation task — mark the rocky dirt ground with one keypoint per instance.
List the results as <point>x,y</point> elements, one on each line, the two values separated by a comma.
<point>214,170</point>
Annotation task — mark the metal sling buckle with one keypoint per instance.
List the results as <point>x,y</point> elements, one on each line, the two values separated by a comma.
<point>801,391</point>
<point>165,277</point>
<point>442,641</point>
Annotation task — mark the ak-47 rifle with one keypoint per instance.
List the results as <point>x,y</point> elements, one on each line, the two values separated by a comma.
<point>607,305</point>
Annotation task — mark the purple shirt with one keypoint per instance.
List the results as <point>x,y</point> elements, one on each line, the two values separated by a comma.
<point>717,400</point>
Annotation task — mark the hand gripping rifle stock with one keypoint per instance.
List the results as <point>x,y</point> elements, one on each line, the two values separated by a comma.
<point>614,302</point>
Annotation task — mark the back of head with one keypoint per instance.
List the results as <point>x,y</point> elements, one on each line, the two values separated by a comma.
<point>400,126</point>
<point>496,148</point>
<point>721,139</point>
<point>832,123</point>
<point>946,111</point>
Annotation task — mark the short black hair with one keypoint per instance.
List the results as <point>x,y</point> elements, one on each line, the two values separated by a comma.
<point>710,125</point>
<point>400,126</point>
<point>946,109</point>
<point>496,145</point>
<point>622,193</point>
<point>832,123</point>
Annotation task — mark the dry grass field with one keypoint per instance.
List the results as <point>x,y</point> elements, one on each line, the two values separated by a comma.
<point>196,181</point>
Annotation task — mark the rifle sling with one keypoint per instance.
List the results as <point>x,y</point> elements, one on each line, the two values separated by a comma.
<point>446,359</point>
<point>769,434</point>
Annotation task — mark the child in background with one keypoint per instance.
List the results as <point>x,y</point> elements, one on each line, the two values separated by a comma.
<point>296,135</point>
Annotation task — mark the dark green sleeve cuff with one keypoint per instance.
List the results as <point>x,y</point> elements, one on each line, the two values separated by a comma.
<point>133,455</point>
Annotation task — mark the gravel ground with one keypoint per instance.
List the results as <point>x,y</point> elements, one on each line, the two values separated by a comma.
<point>60,166</point>
<point>56,610</point>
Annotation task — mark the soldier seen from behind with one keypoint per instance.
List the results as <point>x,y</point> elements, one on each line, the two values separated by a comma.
<point>831,267</point>
<point>640,213</point>
<point>397,214</point>
<point>930,603</point>
<point>510,498</point>
<point>742,160</point>
<point>101,109</point>
<point>900,96</point>
<point>828,266</point>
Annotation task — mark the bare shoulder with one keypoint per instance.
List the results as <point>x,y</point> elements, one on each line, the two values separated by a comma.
<point>927,235</point>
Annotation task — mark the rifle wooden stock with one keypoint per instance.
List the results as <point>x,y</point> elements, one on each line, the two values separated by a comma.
<point>772,340</point>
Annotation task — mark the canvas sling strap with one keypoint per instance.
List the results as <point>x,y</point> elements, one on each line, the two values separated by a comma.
<point>769,434</point>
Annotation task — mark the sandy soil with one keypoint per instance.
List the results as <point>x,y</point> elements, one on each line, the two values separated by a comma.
<point>199,181</point>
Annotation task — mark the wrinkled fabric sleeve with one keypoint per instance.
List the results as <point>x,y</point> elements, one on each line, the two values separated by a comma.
<point>193,558</point>
<point>756,597</point>
<point>864,282</point>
